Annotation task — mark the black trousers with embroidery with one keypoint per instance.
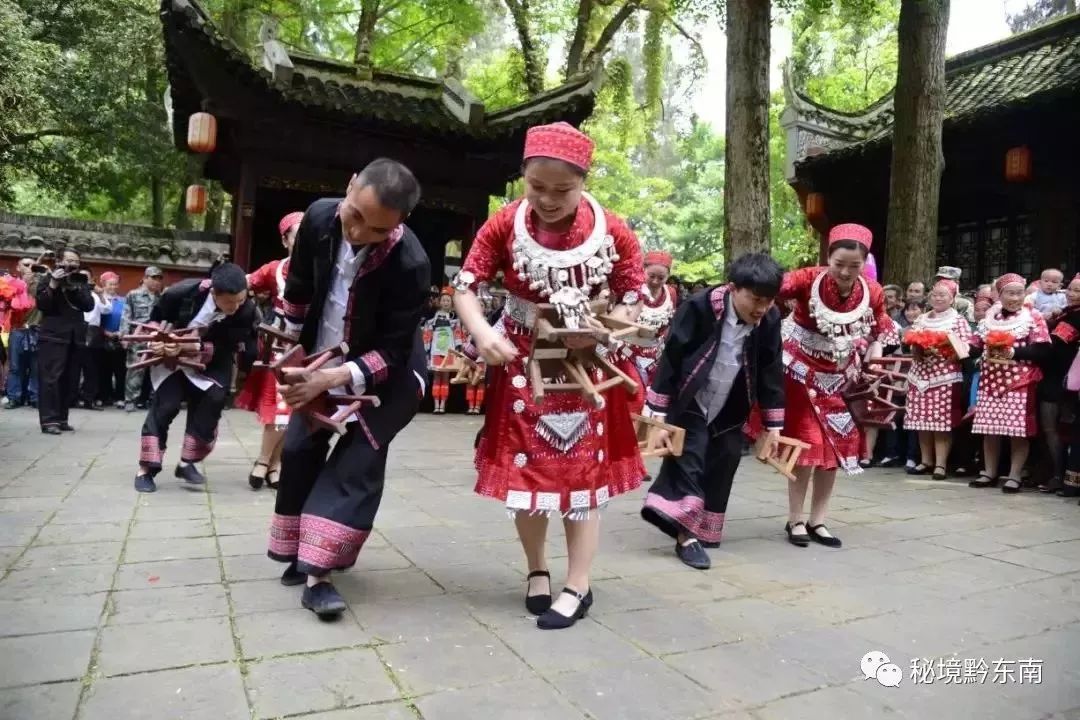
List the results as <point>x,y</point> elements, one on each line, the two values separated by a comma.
<point>327,499</point>
<point>690,495</point>
<point>204,409</point>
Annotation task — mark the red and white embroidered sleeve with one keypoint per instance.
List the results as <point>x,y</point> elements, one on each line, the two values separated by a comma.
<point>264,279</point>
<point>489,252</point>
<point>628,273</point>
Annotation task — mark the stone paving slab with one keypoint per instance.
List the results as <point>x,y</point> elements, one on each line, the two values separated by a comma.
<point>117,605</point>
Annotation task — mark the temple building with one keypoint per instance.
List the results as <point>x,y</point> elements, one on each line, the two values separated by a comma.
<point>1010,196</point>
<point>297,127</point>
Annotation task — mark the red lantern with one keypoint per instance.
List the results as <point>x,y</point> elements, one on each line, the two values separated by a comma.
<point>195,199</point>
<point>1018,164</point>
<point>202,132</point>
<point>815,206</point>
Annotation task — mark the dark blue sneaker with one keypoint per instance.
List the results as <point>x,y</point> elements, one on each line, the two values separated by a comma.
<point>323,600</point>
<point>144,483</point>
<point>190,474</point>
<point>693,555</point>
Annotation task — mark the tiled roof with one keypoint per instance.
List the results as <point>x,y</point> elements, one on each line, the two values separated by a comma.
<point>335,90</point>
<point>1033,67</point>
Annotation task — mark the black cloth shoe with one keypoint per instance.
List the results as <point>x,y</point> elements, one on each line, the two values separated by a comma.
<point>254,480</point>
<point>939,475</point>
<point>800,540</point>
<point>144,483</point>
<point>1011,485</point>
<point>693,554</point>
<point>323,600</point>
<point>190,474</point>
<point>554,620</point>
<point>66,427</point>
<point>50,430</point>
<point>826,540</point>
<point>983,481</point>
<point>538,604</point>
<point>292,576</point>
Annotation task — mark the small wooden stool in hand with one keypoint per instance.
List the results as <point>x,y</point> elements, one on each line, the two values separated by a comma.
<point>874,400</point>
<point>787,456</point>
<point>647,427</point>
<point>274,342</point>
<point>187,339</point>
<point>550,360</point>
<point>328,411</point>
<point>469,372</point>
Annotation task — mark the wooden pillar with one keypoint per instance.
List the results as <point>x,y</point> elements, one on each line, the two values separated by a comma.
<point>244,216</point>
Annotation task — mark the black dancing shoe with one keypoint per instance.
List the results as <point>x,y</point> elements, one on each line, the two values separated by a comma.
<point>983,481</point>
<point>826,540</point>
<point>51,430</point>
<point>272,484</point>
<point>292,576</point>
<point>692,554</point>
<point>554,620</point>
<point>323,600</point>
<point>254,480</point>
<point>66,427</point>
<point>1011,486</point>
<point>939,475</point>
<point>144,483</point>
<point>800,540</point>
<point>538,604</point>
<point>190,475</point>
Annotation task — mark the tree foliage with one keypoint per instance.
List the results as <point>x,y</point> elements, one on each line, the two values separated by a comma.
<point>1038,12</point>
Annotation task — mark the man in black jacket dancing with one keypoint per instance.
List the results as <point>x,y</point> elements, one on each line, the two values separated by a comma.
<point>721,358</point>
<point>226,319</point>
<point>358,275</point>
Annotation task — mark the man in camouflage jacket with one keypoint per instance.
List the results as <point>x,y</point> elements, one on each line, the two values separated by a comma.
<point>137,307</point>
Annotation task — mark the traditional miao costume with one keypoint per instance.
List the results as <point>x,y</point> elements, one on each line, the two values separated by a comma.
<point>935,400</point>
<point>641,354</point>
<point>562,456</point>
<point>442,333</point>
<point>261,393</point>
<point>824,339</point>
<point>1005,399</point>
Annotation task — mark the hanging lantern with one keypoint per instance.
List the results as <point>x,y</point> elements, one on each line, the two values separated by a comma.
<point>1018,164</point>
<point>202,132</point>
<point>195,200</point>
<point>815,206</point>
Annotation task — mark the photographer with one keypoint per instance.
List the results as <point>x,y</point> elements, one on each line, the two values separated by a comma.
<point>63,295</point>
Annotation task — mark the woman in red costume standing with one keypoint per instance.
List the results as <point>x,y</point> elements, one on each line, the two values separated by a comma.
<point>642,354</point>
<point>838,315</point>
<point>563,456</point>
<point>260,392</point>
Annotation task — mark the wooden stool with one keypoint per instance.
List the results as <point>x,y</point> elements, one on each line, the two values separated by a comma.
<point>188,339</point>
<point>873,401</point>
<point>328,411</point>
<point>273,339</point>
<point>647,427</point>
<point>788,456</point>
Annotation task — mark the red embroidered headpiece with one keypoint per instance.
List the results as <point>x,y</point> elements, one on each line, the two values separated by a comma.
<point>658,257</point>
<point>851,231</point>
<point>561,141</point>
<point>1009,279</point>
<point>448,291</point>
<point>109,275</point>
<point>289,221</point>
<point>949,285</point>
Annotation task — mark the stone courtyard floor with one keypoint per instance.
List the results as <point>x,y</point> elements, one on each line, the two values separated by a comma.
<point>115,605</point>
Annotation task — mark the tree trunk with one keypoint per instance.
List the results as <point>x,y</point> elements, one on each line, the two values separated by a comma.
<point>917,160</point>
<point>181,220</point>
<point>577,43</point>
<point>365,32</point>
<point>157,202</point>
<point>746,155</point>
<point>606,36</point>
<point>533,58</point>
<point>215,202</point>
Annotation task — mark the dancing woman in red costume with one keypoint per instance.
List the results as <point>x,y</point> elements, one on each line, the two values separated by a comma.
<point>260,393</point>
<point>640,355</point>
<point>838,314</point>
<point>562,456</point>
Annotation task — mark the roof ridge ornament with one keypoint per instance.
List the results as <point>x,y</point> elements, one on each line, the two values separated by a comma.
<point>275,57</point>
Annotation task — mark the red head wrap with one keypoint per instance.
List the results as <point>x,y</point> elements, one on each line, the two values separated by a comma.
<point>851,231</point>
<point>109,275</point>
<point>561,141</point>
<point>1009,279</point>
<point>949,285</point>
<point>448,291</point>
<point>289,221</point>
<point>658,257</point>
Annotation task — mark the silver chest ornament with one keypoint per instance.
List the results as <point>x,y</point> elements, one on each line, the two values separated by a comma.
<point>842,329</point>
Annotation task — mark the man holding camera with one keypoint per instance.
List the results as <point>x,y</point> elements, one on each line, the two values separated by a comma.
<point>63,295</point>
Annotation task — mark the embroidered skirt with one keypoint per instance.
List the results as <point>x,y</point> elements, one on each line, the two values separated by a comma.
<point>1005,400</point>
<point>937,409</point>
<point>825,423</point>
<point>560,456</point>
<point>260,395</point>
